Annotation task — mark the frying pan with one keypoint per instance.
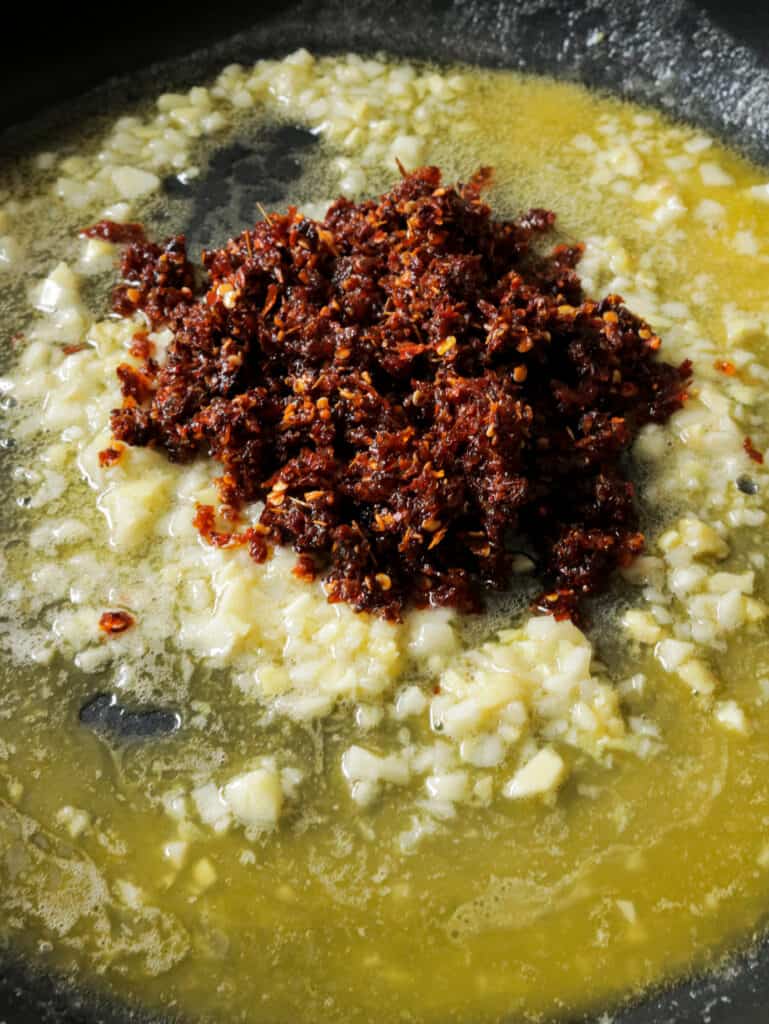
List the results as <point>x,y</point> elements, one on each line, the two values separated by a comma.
<point>707,62</point>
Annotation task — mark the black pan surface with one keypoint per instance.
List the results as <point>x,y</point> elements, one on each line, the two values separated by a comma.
<point>706,61</point>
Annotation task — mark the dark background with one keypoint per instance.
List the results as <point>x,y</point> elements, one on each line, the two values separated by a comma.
<point>55,52</point>
<point>49,57</point>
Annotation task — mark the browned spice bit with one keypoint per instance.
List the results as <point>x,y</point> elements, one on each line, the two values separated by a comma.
<point>115,622</point>
<point>561,604</point>
<point>70,350</point>
<point>753,452</point>
<point>135,384</point>
<point>109,456</point>
<point>204,522</point>
<point>111,231</point>
<point>156,279</point>
<point>305,568</point>
<point>408,388</point>
<point>141,347</point>
<point>724,366</point>
<point>258,547</point>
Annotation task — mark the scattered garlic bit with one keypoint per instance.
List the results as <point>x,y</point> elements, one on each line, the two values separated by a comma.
<point>692,538</point>
<point>129,894</point>
<point>97,256</point>
<point>451,787</point>
<point>409,702</point>
<point>540,776</point>
<point>131,182</point>
<point>698,144</point>
<point>698,676</point>
<point>255,798</point>
<point>713,174</point>
<point>15,790</point>
<point>485,750</point>
<point>628,911</point>
<point>368,716</point>
<point>204,874</point>
<point>730,716</point>
<point>211,807</point>
<point>641,626</point>
<point>746,243</point>
<point>58,296</point>
<point>10,252</point>
<point>175,852</point>
<point>743,329</point>
<point>73,819</point>
<point>366,771</point>
<point>175,804</point>
<point>710,211</point>
<point>673,653</point>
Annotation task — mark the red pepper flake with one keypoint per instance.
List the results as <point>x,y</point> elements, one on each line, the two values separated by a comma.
<point>115,622</point>
<point>305,568</point>
<point>258,548</point>
<point>158,279</point>
<point>753,452</point>
<point>111,231</point>
<point>141,347</point>
<point>134,384</point>
<point>204,522</point>
<point>560,604</point>
<point>110,456</point>
<point>70,350</point>
<point>405,386</point>
<point>724,366</point>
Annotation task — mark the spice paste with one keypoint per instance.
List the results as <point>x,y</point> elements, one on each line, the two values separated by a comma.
<point>412,392</point>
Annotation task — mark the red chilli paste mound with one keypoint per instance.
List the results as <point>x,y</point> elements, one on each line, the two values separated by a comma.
<point>409,388</point>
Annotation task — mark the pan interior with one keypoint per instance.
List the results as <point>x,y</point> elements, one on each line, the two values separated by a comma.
<point>512,894</point>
